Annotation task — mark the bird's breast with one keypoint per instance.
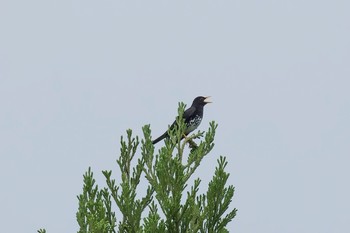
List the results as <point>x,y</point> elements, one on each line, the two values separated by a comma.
<point>193,124</point>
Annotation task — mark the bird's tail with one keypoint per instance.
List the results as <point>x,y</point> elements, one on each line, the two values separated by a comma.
<point>164,135</point>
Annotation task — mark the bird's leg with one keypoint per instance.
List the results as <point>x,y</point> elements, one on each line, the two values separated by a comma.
<point>191,143</point>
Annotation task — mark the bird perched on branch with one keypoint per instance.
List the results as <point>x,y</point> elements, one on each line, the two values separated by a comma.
<point>192,116</point>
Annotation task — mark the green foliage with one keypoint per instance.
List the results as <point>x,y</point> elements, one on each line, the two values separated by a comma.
<point>168,205</point>
<point>95,213</point>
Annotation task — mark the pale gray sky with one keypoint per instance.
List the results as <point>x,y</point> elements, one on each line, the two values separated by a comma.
<point>74,75</point>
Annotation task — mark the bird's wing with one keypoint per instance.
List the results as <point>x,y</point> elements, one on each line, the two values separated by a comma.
<point>186,116</point>
<point>189,112</point>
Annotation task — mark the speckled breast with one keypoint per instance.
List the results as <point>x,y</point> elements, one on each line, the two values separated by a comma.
<point>193,124</point>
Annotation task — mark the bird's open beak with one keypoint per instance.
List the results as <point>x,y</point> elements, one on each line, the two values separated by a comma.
<point>207,100</point>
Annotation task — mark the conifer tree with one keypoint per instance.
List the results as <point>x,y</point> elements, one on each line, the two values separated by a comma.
<point>167,205</point>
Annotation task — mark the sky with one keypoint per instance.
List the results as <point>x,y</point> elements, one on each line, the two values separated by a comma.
<point>75,75</point>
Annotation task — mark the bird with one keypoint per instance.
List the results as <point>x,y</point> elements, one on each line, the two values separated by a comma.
<point>192,116</point>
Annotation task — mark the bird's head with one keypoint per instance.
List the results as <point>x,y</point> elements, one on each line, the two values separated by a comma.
<point>201,100</point>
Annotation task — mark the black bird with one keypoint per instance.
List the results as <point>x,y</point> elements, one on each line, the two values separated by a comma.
<point>192,116</point>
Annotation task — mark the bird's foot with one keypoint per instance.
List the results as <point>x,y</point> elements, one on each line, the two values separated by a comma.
<point>192,144</point>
